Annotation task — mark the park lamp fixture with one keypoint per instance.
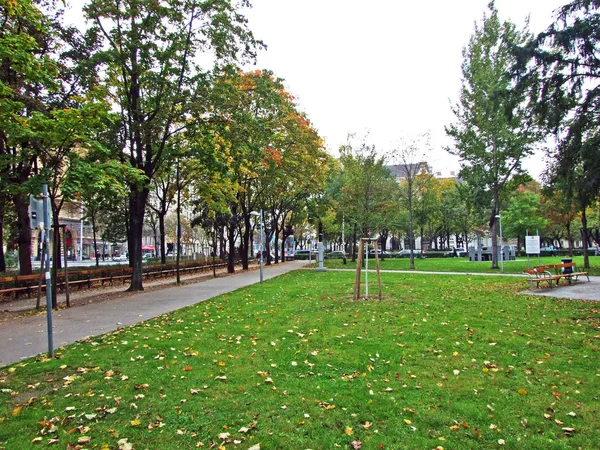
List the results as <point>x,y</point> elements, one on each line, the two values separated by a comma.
<point>260,259</point>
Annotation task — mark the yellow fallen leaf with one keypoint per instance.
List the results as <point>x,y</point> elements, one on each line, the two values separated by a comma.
<point>407,422</point>
<point>522,392</point>
<point>17,410</point>
<point>349,431</point>
<point>367,425</point>
<point>135,423</point>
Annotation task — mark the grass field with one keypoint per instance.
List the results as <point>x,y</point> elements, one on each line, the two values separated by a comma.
<point>466,266</point>
<point>443,361</point>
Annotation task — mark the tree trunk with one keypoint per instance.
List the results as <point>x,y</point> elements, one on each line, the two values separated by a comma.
<point>245,244</point>
<point>56,260</point>
<point>231,255</point>
<point>163,246</point>
<point>21,203</point>
<point>493,230</point>
<point>584,231</point>
<point>137,208</point>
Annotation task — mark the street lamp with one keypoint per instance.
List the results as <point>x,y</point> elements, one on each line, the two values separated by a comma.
<point>260,215</point>
<point>499,217</point>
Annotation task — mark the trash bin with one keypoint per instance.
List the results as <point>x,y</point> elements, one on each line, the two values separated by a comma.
<point>567,269</point>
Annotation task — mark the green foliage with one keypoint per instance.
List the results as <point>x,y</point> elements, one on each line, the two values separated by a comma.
<point>367,191</point>
<point>523,214</point>
<point>493,132</point>
<point>559,69</point>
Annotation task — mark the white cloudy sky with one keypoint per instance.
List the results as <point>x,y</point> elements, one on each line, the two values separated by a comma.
<point>389,68</point>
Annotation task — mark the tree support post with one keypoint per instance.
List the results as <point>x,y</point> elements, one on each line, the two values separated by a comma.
<point>359,263</point>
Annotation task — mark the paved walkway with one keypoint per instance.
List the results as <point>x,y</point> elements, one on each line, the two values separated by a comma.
<point>27,336</point>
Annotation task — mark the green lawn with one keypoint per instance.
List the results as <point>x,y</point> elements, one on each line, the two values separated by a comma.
<point>464,265</point>
<point>455,362</point>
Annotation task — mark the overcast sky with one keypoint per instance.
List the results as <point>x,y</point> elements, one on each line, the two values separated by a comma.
<point>389,68</point>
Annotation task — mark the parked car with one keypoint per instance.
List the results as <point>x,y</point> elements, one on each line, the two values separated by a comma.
<point>380,253</point>
<point>120,258</point>
<point>304,254</point>
<point>406,253</point>
<point>335,255</point>
<point>147,256</point>
<point>458,252</point>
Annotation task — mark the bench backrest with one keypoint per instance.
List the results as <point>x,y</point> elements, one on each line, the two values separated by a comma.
<point>560,266</point>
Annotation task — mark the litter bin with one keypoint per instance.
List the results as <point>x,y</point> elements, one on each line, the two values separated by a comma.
<point>567,269</point>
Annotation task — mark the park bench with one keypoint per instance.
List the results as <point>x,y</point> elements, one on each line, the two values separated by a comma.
<point>17,285</point>
<point>569,271</point>
<point>553,273</point>
<point>114,273</point>
<point>10,285</point>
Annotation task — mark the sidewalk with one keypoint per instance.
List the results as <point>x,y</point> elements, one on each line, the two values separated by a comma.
<point>28,336</point>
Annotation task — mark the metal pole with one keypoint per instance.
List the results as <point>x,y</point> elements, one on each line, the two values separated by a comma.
<point>48,278</point>
<point>262,245</point>
<point>367,270</point>
<point>81,235</point>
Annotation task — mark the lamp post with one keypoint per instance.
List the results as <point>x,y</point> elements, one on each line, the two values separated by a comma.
<point>260,215</point>
<point>499,217</point>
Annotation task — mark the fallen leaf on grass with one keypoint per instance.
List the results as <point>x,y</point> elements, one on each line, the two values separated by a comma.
<point>124,445</point>
<point>356,445</point>
<point>349,431</point>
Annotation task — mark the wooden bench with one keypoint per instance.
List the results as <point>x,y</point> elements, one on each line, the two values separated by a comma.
<point>10,285</point>
<point>553,273</point>
<point>569,272</point>
<point>541,274</point>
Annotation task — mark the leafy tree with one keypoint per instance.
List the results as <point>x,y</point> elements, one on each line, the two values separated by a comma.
<point>493,132</point>
<point>27,74</point>
<point>367,191</point>
<point>414,175</point>
<point>560,70</point>
<point>523,215</point>
<point>150,62</point>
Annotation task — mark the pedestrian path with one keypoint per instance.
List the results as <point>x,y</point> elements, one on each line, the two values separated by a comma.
<point>27,336</point>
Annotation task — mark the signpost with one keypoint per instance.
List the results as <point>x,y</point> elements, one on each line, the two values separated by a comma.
<point>532,247</point>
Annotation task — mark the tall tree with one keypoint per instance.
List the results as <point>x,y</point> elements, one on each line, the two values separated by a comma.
<point>27,73</point>
<point>523,215</point>
<point>367,192</point>
<point>151,62</point>
<point>414,174</point>
<point>493,131</point>
<point>560,69</point>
